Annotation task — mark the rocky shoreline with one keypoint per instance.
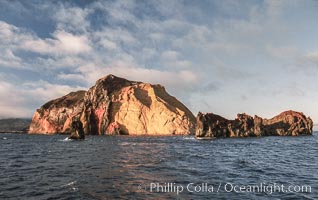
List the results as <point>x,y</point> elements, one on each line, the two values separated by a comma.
<point>288,123</point>
<point>116,106</point>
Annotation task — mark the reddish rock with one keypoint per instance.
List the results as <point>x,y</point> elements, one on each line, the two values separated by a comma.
<point>114,128</point>
<point>116,105</point>
<point>289,123</point>
<point>56,116</point>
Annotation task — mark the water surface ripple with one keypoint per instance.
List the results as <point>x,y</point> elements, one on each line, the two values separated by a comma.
<point>123,167</point>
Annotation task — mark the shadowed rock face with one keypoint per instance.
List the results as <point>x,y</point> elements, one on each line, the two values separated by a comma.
<point>289,123</point>
<point>115,106</point>
<point>77,132</point>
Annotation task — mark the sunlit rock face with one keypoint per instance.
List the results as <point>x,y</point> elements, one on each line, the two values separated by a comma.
<point>56,116</point>
<point>289,123</point>
<point>116,106</point>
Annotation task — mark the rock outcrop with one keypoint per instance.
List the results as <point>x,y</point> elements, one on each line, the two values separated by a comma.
<point>77,131</point>
<point>289,123</point>
<point>115,106</point>
<point>56,116</point>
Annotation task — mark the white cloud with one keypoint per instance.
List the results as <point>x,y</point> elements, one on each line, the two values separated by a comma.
<point>312,56</point>
<point>171,59</point>
<point>241,47</point>
<point>21,101</point>
<point>39,89</point>
<point>8,59</point>
<point>180,82</point>
<point>108,44</point>
<point>116,35</point>
<point>170,55</point>
<point>6,32</point>
<point>38,45</point>
<point>275,8</point>
<point>59,51</point>
<point>71,18</point>
<point>15,39</point>
<point>72,77</point>
<point>71,43</point>
<point>283,52</point>
<point>119,11</point>
<point>63,43</point>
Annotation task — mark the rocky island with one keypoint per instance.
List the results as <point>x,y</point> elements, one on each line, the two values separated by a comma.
<point>288,123</point>
<point>115,106</point>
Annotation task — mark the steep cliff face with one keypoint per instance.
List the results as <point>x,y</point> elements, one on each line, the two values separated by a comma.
<point>56,116</point>
<point>289,123</point>
<point>116,106</point>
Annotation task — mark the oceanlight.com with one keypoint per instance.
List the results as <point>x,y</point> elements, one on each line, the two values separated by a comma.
<point>225,187</point>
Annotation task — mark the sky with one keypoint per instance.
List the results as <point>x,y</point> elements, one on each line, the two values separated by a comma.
<point>226,57</point>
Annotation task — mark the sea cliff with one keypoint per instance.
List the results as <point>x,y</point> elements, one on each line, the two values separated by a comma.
<point>115,106</point>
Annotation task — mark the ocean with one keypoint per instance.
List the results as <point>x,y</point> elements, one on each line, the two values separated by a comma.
<point>127,167</point>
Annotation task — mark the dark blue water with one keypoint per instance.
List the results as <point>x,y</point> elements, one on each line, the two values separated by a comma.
<point>46,167</point>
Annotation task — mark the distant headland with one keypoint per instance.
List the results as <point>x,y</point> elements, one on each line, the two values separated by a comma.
<point>14,125</point>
